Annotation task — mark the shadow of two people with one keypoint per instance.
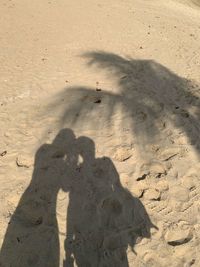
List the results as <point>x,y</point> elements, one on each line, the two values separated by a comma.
<point>103,218</point>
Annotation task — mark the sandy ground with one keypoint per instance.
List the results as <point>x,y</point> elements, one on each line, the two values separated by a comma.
<point>100,123</point>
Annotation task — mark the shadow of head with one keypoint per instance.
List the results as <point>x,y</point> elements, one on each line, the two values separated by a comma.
<point>86,148</point>
<point>65,137</point>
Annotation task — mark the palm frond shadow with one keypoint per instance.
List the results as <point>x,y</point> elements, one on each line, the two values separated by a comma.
<point>148,94</point>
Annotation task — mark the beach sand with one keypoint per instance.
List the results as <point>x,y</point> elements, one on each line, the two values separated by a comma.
<point>99,140</point>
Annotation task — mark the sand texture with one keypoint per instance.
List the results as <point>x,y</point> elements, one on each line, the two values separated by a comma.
<point>100,133</point>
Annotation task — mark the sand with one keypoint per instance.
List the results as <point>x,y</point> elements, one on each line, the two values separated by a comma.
<point>100,122</point>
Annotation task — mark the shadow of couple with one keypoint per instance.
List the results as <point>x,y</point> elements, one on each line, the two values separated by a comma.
<point>103,218</point>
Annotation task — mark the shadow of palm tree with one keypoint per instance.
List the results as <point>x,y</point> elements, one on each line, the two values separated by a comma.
<point>149,94</point>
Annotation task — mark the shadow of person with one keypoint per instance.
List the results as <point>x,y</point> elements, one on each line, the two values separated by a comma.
<point>103,218</point>
<point>31,238</point>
